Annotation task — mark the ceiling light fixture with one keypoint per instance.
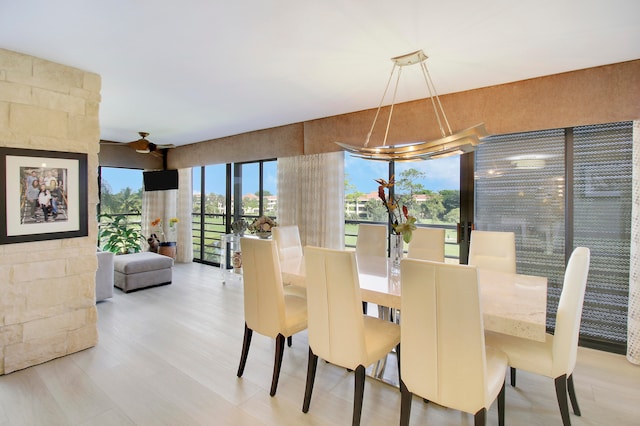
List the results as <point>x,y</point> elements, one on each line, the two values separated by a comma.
<point>449,144</point>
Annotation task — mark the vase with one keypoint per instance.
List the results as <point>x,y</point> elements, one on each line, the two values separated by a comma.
<point>396,250</point>
<point>167,249</point>
<point>263,235</point>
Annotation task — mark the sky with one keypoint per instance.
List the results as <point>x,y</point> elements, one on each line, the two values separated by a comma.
<point>440,174</point>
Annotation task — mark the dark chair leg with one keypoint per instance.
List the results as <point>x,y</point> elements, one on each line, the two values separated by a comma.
<point>289,341</point>
<point>358,395</point>
<point>277,363</point>
<point>245,349</point>
<point>572,396</point>
<point>399,369</point>
<point>513,376</point>
<point>501,406</point>
<point>311,376</point>
<point>405,404</point>
<point>561,393</point>
<point>480,418</point>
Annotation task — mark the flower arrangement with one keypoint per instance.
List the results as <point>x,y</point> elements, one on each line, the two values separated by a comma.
<point>157,236</point>
<point>173,221</point>
<point>156,223</point>
<point>401,222</point>
<point>262,224</point>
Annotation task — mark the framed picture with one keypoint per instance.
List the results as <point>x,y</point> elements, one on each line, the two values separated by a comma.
<point>45,195</point>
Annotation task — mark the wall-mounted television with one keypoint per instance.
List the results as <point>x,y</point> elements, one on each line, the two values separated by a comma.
<point>160,180</point>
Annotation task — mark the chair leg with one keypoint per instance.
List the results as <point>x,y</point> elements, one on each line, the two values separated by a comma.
<point>398,356</point>
<point>480,418</point>
<point>245,349</point>
<point>405,404</point>
<point>572,396</point>
<point>311,376</point>
<point>513,376</point>
<point>358,395</point>
<point>277,363</point>
<point>501,406</point>
<point>561,393</point>
<point>289,341</point>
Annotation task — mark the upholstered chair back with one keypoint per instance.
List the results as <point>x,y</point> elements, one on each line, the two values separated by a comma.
<point>493,250</point>
<point>427,244</point>
<point>569,314</point>
<point>263,293</point>
<point>443,349</point>
<point>334,307</point>
<point>372,240</point>
<point>287,240</point>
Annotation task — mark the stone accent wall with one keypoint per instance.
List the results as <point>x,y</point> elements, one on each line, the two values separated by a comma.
<point>47,289</point>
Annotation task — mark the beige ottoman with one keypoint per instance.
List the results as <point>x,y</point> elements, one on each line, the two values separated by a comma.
<point>141,270</point>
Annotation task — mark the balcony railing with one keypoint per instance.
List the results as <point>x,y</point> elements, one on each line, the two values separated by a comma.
<point>207,249</point>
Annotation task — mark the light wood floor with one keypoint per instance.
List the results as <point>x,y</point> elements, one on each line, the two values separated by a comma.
<point>169,355</point>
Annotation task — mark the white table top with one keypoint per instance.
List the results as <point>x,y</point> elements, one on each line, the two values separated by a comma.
<point>512,304</point>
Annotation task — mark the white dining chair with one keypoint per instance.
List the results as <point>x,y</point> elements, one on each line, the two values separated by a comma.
<point>268,310</point>
<point>372,240</point>
<point>444,358</point>
<point>556,356</point>
<point>427,244</point>
<point>338,331</point>
<point>287,239</point>
<point>493,250</point>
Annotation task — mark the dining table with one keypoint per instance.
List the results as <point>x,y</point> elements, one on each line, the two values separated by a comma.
<point>513,304</point>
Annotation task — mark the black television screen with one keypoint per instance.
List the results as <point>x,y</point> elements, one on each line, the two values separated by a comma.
<point>160,180</point>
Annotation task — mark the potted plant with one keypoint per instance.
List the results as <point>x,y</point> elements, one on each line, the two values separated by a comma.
<point>118,236</point>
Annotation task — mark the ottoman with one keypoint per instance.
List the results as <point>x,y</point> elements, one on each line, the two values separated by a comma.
<point>141,270</point>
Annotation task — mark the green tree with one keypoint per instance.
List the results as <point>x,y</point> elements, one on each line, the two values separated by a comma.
<point>432,207</point>
<point>128,201</point>
<point>452,216</point>
<point>351,195</point>
<point>450,199</point>
<point>376,211</point>
<point>408,185</point>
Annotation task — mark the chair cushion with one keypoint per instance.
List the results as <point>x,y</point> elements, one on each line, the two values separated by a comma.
<point>496,363</point>
<point>380,337</point>
<point>295,309</point>
<point>524,354</point>
<point>136,263</point>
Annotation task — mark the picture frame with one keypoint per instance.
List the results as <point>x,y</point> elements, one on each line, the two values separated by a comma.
<point>45,195</point>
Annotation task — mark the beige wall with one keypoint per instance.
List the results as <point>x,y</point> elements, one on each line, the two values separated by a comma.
<point>605,94</point>
<point>47,289</point>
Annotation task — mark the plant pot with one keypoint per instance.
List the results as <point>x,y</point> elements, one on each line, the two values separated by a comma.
<point>168,249</point>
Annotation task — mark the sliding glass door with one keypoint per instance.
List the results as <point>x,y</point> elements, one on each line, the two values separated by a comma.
<point>557,190</point>
<point>224,193</point>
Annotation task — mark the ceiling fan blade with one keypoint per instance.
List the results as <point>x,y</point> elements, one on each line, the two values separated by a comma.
<point>140,144</point>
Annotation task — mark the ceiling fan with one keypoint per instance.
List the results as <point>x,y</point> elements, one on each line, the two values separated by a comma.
<point>144,146</point>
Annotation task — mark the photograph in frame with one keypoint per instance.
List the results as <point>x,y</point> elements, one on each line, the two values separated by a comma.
<point>45,195</point>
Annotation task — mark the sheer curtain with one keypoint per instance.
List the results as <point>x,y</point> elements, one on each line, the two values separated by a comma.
<point>166,205</point>
<point>183,213</point>
<point>311,195</point>
<point>633,315</point>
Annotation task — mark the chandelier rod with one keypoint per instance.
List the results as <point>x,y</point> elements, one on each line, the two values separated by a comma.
<point>433,95</point>
<point>366,142</point>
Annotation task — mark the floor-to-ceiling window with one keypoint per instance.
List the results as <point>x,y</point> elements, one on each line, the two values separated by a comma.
<point>557,190</point>
<point>429,189</point>
<point>121,193</point>
<point>224,193</point>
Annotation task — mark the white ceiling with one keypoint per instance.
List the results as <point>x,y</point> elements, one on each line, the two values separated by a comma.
<point>192,70</point>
